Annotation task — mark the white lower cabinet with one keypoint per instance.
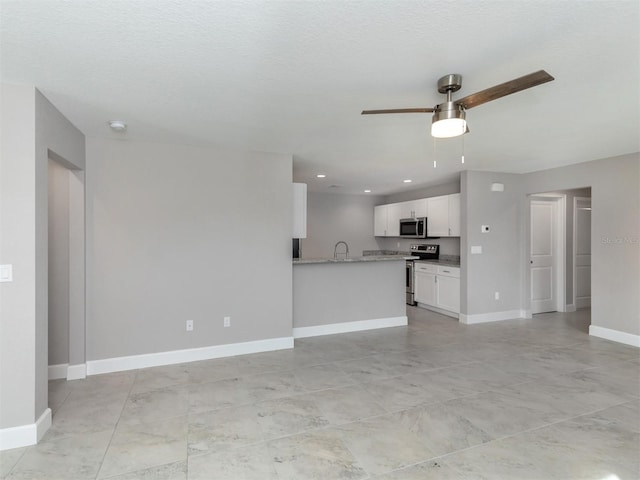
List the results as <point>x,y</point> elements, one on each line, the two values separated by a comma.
<point>424,288</point>
<point>437,286</point>
<point>448,289</point>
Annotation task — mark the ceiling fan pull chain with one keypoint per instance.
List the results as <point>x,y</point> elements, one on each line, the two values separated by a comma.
<point>435,163</point>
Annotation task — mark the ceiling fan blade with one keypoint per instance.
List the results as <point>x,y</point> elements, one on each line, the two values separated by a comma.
<point>504,89</point>
<point>398,110</point>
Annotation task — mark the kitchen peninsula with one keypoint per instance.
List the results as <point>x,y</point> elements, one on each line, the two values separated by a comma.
<point>345,295</point>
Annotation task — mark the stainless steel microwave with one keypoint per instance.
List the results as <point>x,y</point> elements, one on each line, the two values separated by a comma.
<point>413,227</point>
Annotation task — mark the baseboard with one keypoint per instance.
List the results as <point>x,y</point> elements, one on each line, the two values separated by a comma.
<point>119,364</point>
<point>615,335</point>
<point>584,302</point>
<point>77,372</point>
<point>59,371</point>
<point>438,310</point>
<point>492,316</point>
<point>25,435</point>
<point>345,327</point>
<point>570,308</point>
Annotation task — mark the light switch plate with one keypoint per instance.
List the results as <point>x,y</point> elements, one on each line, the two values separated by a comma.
<point>476,249</point>
<point>6,273</point>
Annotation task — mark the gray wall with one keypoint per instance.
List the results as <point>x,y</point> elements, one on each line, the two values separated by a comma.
<point>615,234</point>
<point>497,269</point>
<point>448,246</point>
<point>32,131</point>
<point>17,247</point>
<point>329,293</point>
<point>178,233</point>
<point>58,264</point>
<point>503,266</point>
<point>334,217</point>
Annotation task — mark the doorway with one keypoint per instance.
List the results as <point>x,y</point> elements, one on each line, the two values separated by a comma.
<point>560,250</point>
<point>582,252</point>
<point>547,253</point>
<point>66,270</point>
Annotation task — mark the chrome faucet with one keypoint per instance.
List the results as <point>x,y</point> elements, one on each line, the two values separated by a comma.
<point>335,250</point>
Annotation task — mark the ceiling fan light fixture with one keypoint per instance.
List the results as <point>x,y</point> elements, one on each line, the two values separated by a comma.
<point>448,121</point>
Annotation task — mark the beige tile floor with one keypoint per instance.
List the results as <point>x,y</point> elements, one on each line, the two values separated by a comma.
<point>520,399</point>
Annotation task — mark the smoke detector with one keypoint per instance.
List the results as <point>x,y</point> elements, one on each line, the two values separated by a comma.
<point>118,126</point>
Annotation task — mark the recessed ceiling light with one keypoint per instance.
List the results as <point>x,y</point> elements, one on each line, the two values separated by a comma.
<point>118,125</point>
<point>407,181</point>
<point>321,175</point>
<point>367,191</point>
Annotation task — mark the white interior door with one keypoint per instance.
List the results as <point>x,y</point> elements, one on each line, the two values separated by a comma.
<point>543,259</point>
<point>582,252</point>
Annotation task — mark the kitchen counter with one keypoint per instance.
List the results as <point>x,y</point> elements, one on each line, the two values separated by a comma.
<point>366,258</point>
<point>442,262</point>
<point>367,293</point>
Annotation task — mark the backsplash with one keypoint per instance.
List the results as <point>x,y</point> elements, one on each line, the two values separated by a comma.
<point>448,245</point>
<point>443,257</point>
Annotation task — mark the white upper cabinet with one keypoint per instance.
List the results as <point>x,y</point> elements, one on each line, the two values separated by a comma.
<point>299,210</point>
<point>380,220</point>
<point>394,214</point>
<point>443,216</point>
<point>454,215</point>
<point>386,220</point>
<point>438,216</point>
<point>414,208</point>
<point>420,207</point>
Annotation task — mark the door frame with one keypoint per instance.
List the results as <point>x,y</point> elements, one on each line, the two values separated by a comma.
<point>575,244</point>
<point>559,245</point>
<point>77,366</point>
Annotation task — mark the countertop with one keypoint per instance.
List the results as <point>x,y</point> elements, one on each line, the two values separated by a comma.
<point>442,262</point>
<point>366,258</point>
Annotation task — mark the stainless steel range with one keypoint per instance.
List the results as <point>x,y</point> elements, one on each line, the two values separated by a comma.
<point>425,252</point>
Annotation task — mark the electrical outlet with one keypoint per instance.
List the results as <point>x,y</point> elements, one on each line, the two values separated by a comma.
<point>227,321</point>
<point>484,228</point>
<point>497,295</point>
<point>189,325</point>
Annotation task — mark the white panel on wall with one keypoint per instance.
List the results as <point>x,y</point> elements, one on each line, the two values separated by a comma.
<point>299,210</point>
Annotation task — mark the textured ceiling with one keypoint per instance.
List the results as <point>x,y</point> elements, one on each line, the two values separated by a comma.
<point>293,76</point>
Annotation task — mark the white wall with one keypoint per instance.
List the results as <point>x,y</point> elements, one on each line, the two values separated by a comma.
<point>178,233</point>
<point>335,217</point>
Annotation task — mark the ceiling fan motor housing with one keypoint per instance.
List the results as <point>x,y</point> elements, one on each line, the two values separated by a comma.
<point>448,110</point>
<point>450,83</point>
<point>448,120</point>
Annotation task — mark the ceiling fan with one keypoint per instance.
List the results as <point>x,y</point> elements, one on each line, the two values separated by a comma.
<point>449,117</point>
